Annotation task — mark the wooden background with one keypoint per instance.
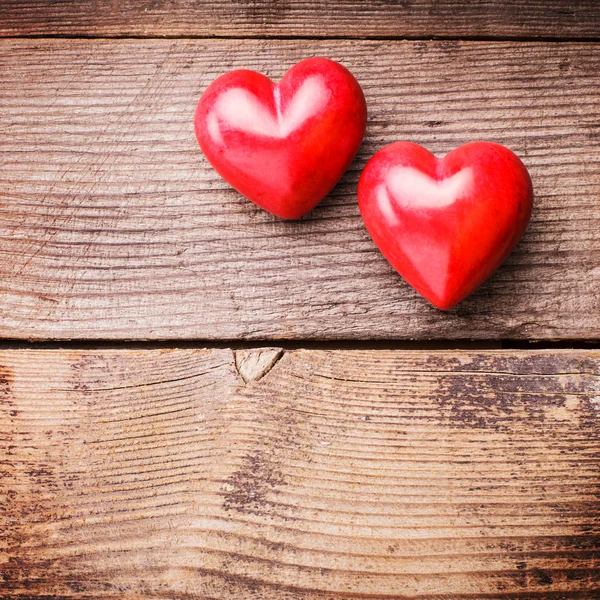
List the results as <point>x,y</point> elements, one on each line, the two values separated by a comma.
<point>198,400</point>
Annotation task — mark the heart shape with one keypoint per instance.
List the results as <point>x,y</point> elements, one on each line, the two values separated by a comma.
<point>283,145</point>
<point>445,224</point>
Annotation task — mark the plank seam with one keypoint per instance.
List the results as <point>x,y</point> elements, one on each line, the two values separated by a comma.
<point>300,344</point>
<point>432,38</point>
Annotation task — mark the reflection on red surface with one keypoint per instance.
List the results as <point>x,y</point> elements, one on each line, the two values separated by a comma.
<point>445,224</point>
<point>283,146</point>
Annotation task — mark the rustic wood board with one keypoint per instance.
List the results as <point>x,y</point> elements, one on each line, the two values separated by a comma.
<point>114,226</point>
<point>320,474</point>
<point>345,18</point>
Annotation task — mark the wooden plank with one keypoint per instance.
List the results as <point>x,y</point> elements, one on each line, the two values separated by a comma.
<point>114,226</point>
<point>335,474</point>
<point>345,18</point>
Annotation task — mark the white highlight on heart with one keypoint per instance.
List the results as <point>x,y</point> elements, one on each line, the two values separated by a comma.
<point>239,109</point>
<point>385,204</point>
<point>411,187</point>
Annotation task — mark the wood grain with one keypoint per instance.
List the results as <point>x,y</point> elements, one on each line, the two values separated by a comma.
<point>346,18</point>
<point>338,474</point>
<point>114,226</point>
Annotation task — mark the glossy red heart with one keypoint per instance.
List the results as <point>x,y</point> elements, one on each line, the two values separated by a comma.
<point>445,224</point>
<point>283,145</point>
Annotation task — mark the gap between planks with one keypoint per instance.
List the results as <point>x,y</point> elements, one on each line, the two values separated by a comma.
<point>431,345</point>
<point>308,38</point>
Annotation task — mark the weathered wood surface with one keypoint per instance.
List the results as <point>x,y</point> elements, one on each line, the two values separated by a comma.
<point>113,225</point>
<point>329,474</point>
<point>346,18</point>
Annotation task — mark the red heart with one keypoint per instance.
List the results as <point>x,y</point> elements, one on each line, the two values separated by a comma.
<point>285,145</point>
<point>445,224</point>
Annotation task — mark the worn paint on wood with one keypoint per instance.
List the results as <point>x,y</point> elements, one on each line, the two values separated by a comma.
<point>114,226</point>
<point>339,474</point>
<point>345,18</point>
